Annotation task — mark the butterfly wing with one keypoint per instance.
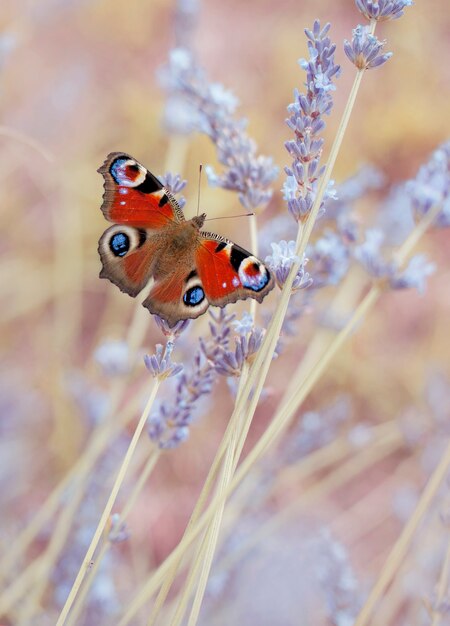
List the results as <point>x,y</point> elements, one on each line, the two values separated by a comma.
<point>229,273</point>
<point>134,196</point>
<point>127,256</point>
<point>177,296</point>
<point>141,208</point>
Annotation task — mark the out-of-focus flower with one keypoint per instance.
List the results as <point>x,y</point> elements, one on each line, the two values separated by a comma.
<point>160,364</point>
<point>306,121</point>
<point>431,186</point>
<point>414,275</point>
<point>382,10</point>
<point>118,531</point>
<point>329,259</point>
<point>370,255</point>
<point>93,401</point>
<point>315,429</point>
<point>113,357</point>
<point>175,184</point>
<point>244,325</point>
<point>364,51</point>
<point>209,109</point>
<point>186,15</point>
<point>338,582</point>
<point>280,262</point>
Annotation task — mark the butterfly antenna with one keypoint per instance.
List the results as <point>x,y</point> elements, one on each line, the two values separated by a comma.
<point>200,169</point>
<point>226,217</point>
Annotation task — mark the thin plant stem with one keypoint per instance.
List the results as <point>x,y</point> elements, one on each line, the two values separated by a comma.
<point>442,586</point>
<point>108,507</point>
<point>378,450</point>
<point>212,474</point>
<point>400,548</point>
<point>106,545</point>
<point>205,555</point>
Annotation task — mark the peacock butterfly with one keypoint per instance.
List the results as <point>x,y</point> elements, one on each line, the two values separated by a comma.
<point>151,238</point>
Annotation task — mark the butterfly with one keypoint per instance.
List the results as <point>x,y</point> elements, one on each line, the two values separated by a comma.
<point>151,238</point>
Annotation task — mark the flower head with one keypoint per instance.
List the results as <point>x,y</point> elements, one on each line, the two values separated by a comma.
<point>230,362</point>
<point>364,51</point>
<point>174,183</point>
<point>329,258</point>
<point>306,121</point>
<point>118,531</point>
<point>414,275</point>
<point>431,186</point>
<point>370,255</point>
<point>113,357</point>
<point>209,108</point>
<point>280,262</point>
<point>160,364</point>
<point>382,10</point>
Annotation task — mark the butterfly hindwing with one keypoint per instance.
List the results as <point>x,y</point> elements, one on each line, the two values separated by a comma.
<point>134,196</point>
<point>229,273</point>
<point>127,256</point>
<point>177,296</point>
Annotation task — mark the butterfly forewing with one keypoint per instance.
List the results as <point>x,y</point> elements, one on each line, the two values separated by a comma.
<point>230,273</point>
<point>134,196</point>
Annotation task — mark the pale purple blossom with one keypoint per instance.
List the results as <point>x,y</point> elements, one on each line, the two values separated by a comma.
<point>175,184</point>
<point>431,187</point>
<point>230,362</point>
<point>160,364</point>
<point>370,255</point>
<point>306,121</point>
<point>382,10</point>
<point>315,429</point>
<point>118,531</point>
<point>329,259</point>
<point>365,50</point>
<point>414,275</point>
<point>281,260</point>
<point>244,325</point>
<point>169,425</point>
<point>113,357</point>
<point>209,108</point>
<point>338,581</point>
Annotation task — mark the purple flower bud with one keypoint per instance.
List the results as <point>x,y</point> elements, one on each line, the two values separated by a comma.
<point>160,364</point>
<point>382,10</point>
<point>364,50</point>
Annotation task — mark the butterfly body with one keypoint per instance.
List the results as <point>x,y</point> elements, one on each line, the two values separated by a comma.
<point>150,238</point>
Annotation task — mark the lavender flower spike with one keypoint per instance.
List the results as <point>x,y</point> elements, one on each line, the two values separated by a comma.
<point>280,262</point>
<point>431,186</point>
<point>306,121</point>
<point>369,254</point>
<point>414,275</point>
<point>382,10</point>
<point>364,50</point>
<point>160,365</point>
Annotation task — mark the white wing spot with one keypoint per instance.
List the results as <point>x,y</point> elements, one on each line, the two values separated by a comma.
<point>123,190</point>
<point>235,281</point>
<point>123,202</point>
<point>224,285</point>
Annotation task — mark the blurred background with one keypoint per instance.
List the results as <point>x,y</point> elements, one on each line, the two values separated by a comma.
<point>78,80</point>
